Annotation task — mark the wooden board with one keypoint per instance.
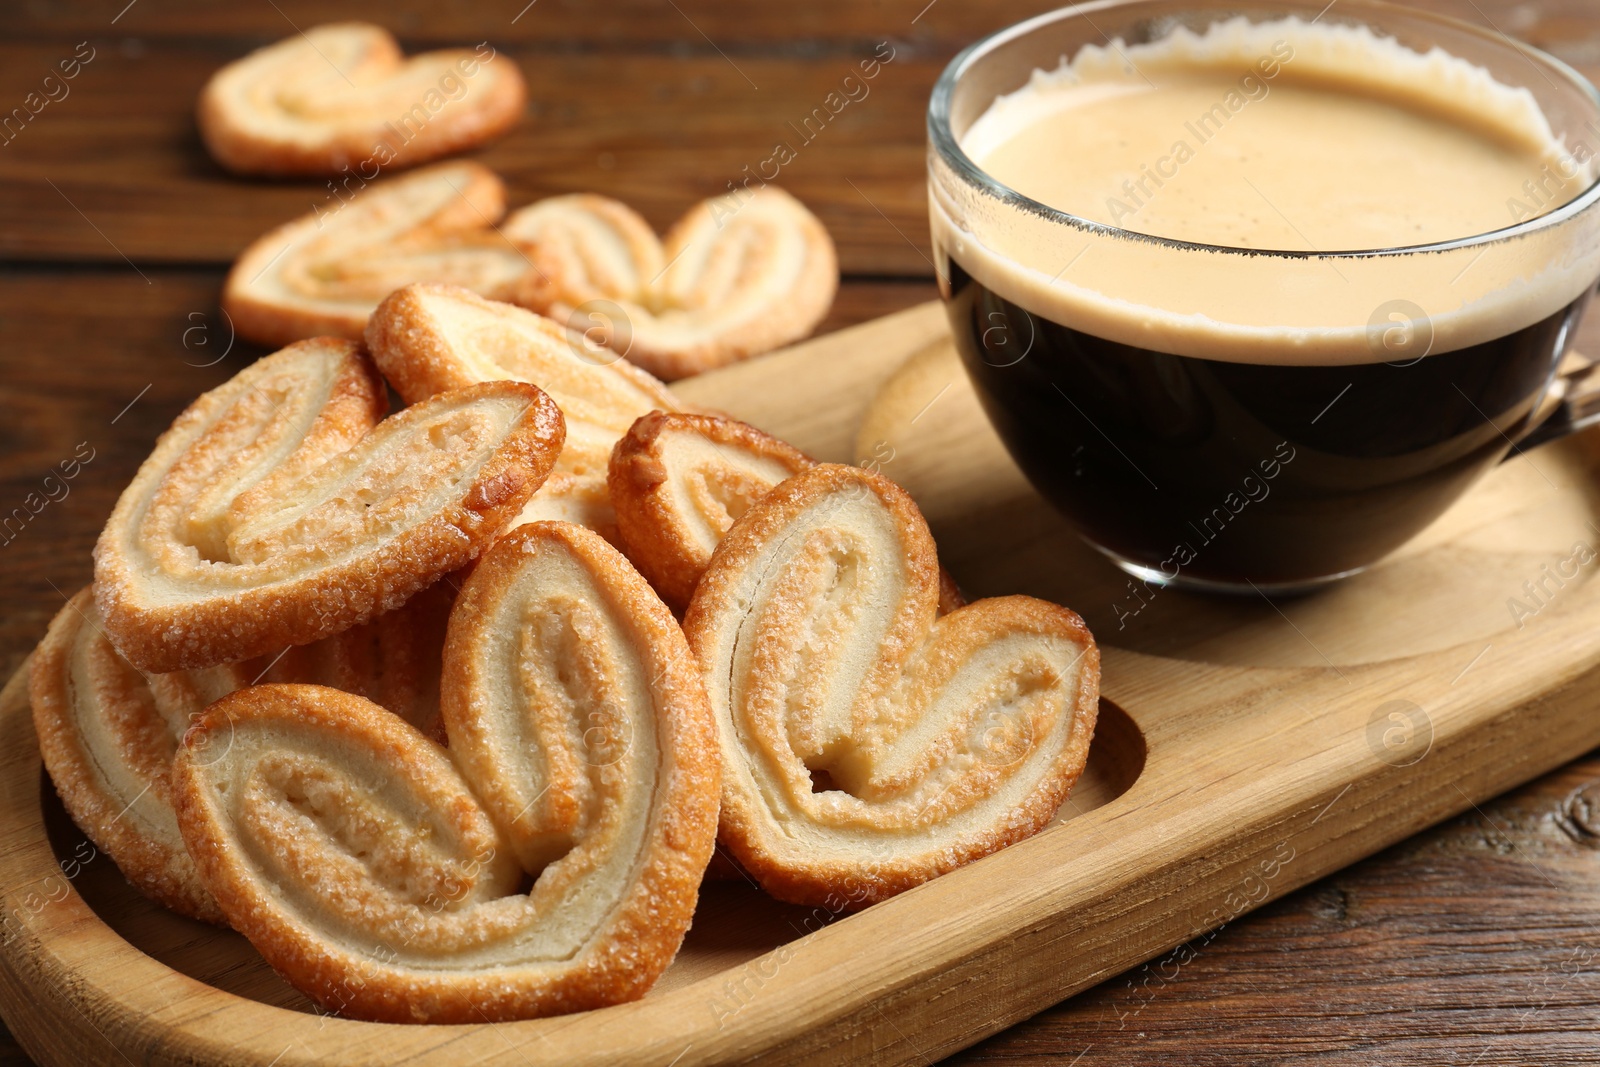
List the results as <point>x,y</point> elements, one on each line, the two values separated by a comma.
<point>1245,749</point>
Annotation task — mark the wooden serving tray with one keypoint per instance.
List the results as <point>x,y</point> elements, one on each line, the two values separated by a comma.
<point>1245,748</point>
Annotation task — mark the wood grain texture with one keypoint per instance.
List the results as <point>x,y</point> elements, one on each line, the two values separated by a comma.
<point>117,169</point>
<point>1473,943</point>
<point>623,24</point>
<point>657,104</point>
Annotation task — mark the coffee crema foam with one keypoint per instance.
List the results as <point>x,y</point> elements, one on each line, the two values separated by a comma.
<point>1273,136</point>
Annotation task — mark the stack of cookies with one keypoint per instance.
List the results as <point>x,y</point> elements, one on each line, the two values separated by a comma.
<point>446,709</point>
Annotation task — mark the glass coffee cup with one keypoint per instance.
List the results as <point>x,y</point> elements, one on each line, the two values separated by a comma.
<point>1263,388</point>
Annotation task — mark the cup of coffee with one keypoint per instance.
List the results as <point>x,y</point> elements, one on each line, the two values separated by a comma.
<point>1252,292</point>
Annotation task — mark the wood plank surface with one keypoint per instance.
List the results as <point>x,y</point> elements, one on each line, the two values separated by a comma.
<point>1475,943</point>
<point>681,27</point>
<point>116,168</point>
<point>661,117</point>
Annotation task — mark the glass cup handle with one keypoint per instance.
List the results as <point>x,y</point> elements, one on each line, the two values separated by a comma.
<point>1571,404</point>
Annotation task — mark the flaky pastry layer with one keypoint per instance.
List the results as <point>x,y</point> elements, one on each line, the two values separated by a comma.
<point>737,276</point>
<point>431,338</point>
<point>342,97</point>
<point>323,273</point>
<point>678,482</point>
<point>279,510</point>
<point>867,743</point>
<point>108,733</point>
<point>380,874</point>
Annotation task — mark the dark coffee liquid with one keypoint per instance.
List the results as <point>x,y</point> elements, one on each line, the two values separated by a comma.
<point>1236,472</point>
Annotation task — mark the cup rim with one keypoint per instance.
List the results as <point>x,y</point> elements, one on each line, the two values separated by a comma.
<point>949,149</point>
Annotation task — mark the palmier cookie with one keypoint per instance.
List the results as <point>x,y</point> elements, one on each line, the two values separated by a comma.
<point>379,874</point>
<point>430,338</point>
<point>108,733</point>
<point>737,276</point>
<point>278,510</point>
<point>868,745</point>
<point>678,481</point>
<point>342,97</point>
<point>323,273</point>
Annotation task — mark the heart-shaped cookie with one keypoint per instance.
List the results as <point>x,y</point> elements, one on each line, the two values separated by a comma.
<point>380,875</point>
<point>278,510</point>
<point>342,97</point>
<point>322,274</point>
<point>867,743</point>
<point>737,276</point>
<point>108,733</point>
<point>428,339</point>
<point>679,480</point>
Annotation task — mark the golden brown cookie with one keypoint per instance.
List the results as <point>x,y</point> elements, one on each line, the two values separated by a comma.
<point>322,274</point>
<point>430,338</point>
<point>108,733</point>
<point>737,276</point>
<point>678,481</point>
<point>868,744</point>
<point>393,660</point>
<point>342,98</point>
<point>107,738</point>
<point>278,510</point>
<point>380,875</point>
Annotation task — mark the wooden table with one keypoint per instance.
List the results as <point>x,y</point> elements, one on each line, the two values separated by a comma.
<point>1475,943</point>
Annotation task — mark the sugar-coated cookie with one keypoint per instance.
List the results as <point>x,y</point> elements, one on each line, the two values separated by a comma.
<point>867,743</point>
<point>380,874</point>
<point>342,98</point>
